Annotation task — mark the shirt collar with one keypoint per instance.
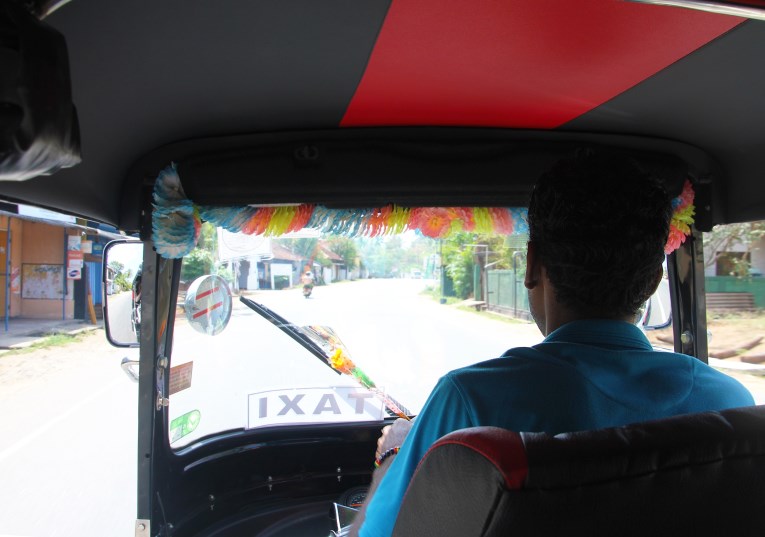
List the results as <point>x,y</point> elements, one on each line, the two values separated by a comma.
<point>601,333</point>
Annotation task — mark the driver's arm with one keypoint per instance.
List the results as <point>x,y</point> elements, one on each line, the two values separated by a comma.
<point>392,436</point>
<point>445,411</point>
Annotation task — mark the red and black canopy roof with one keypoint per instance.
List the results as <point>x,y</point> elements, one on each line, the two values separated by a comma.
<point>221,87</point>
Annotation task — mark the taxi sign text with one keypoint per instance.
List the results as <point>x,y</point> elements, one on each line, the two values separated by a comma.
<point>313,405</point>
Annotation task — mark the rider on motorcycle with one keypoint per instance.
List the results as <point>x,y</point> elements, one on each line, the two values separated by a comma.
<point>135,315</point>
<point>307,281</point>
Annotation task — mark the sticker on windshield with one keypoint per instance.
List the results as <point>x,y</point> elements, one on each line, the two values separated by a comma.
<point>184,425</point>
<point>180,377</point>
<point>313,405</point>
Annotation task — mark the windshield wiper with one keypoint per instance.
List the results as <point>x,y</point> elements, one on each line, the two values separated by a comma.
<point>290,329</point>
<point>323,343</point>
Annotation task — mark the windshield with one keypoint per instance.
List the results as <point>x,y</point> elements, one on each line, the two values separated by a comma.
<point>395,313</point>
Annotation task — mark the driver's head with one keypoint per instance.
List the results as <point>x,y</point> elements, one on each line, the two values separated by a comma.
<point>598,225</point>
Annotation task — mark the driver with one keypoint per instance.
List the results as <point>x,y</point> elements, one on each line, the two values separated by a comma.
<point>307,278</point>
<point>598,226</point>
<point>137,285</point>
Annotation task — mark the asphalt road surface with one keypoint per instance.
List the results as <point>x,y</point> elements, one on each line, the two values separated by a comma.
<point>68,442</point>
<point>119,309</point>
<point>402,340</point>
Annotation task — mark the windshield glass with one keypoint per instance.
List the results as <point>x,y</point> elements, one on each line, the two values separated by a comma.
<point>394,313</point>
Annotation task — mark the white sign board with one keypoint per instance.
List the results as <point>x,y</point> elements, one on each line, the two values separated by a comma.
<point>242,246</point>
<point>333,404</point>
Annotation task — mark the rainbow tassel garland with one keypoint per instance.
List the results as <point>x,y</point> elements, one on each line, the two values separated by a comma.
<point>177,220</point>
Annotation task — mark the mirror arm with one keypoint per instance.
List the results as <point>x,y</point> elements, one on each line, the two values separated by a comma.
<point>128,366</point>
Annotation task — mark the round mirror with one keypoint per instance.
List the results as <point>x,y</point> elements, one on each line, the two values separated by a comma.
<point>208,305</point>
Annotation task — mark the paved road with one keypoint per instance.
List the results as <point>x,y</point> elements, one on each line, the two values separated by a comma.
<point>67,447</point>
<point>121,329</point>
<point>402,340</point>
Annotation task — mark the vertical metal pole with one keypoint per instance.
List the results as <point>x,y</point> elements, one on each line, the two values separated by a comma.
<point>515,282</point>
<point>442,272</point>
<point>687,293</point>
<point>7,271</point>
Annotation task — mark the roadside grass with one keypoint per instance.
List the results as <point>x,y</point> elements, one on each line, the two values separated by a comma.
<point>435,294</point>
<point>493,315</point>
<point>51,340</point>
<point>753,319</point>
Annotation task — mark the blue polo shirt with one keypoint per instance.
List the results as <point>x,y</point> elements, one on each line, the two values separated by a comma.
<point>585,375</point>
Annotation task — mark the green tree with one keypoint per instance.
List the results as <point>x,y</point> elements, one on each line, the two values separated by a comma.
<point>457,261</point>
<point>202,259</point>
<point>345,248</point>
<point>198,263</point>
<point>123,279</point>
<point>731,246</point>
<point>461,252</point>
<point>306,248</point>
<point>371,251</point>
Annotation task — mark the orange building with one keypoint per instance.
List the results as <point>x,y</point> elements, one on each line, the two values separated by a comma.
<point>36,277</point>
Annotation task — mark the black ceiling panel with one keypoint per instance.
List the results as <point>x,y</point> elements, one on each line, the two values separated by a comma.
<point>712,99</point>
<point>147,72</point>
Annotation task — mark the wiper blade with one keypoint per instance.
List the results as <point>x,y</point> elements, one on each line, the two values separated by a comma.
<point>333,356</point>
<point>295,332</point>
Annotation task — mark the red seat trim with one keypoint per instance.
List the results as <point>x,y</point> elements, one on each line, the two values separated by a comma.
<point>503,448</point>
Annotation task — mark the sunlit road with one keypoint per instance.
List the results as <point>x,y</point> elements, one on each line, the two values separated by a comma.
<point>67,450</point>
<point>120,305</point>
<point>400,339</point>
<point>68,442</point>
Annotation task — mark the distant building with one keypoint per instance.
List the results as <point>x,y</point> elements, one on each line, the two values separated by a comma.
<point>39,277</point>
<point>722,263</point>
<point>337,270</point>
<point>262,263</point>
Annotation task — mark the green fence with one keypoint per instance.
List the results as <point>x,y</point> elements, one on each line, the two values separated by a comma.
<point>507,293</point>
<point>731,284</point>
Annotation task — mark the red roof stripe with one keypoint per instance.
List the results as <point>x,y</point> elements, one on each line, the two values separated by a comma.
<point>518,63</point>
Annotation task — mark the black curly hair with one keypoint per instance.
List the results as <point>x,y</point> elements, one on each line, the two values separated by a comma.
<point>599,224</point>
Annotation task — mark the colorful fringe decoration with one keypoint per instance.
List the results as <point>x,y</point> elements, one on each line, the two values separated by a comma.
<point>177,220</point>
<point>682,218</point>
<point>338,359</point>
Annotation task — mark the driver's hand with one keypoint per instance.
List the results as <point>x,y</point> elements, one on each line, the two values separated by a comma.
<point>392,436</point>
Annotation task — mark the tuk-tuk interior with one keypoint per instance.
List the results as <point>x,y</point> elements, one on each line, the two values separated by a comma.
<point>349,107</point>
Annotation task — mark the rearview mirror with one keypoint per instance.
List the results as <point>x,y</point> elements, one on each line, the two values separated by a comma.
<point>122,292</point>
<point>658,310</point>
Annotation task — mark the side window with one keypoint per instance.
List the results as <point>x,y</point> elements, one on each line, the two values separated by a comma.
<point>734,258</point>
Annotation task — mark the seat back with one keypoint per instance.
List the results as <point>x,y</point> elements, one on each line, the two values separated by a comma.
<point>697,475</point>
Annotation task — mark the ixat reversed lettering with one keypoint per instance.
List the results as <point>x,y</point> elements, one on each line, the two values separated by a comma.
<point>313,405</point>
<point>327,403</point>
